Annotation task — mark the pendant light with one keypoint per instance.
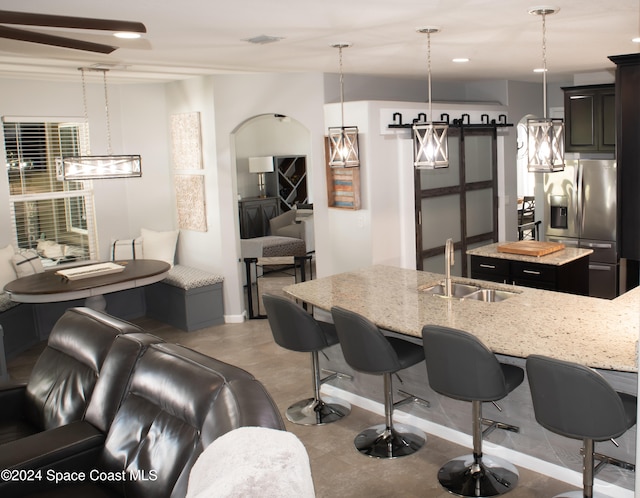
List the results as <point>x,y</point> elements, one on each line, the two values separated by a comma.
<point>430,146</point>
<point>92,167</point>
<point>343,140</point>
<point>545,135</point>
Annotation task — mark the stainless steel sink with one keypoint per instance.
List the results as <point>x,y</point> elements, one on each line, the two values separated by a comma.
<point>457,290</point>
<point>489,295</point>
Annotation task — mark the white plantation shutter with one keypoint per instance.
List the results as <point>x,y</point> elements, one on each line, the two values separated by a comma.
<point>54,216</point>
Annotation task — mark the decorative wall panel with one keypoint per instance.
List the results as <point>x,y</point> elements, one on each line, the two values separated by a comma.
<point>191,203</point>
<point>186,141</point>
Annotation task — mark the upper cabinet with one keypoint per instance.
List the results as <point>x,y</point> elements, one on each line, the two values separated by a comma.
<point>590,117</point>
<point>628,155</point>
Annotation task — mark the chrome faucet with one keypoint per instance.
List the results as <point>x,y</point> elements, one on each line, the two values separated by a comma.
<point>449,262</point>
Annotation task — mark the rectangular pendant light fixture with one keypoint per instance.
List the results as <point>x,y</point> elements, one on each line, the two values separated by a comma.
<point>545,145</point>
<point>430,144</point>
<point>98,167</point>
<point>545,140</point>
<point>343,147</point>
<point>343,140</point>
<point>94,167</point>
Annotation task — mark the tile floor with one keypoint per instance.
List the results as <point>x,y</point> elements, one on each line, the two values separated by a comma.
<point>338,469</point>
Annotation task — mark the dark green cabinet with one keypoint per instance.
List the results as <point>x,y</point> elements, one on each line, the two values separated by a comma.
<point>590,118</point>
<point>572,277</point>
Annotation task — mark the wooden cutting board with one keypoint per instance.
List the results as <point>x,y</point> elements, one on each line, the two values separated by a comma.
<point>530,247</point>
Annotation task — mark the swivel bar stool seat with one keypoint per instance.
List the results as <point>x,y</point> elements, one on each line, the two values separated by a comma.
<point>577,402</point>
<point>461,367</point>
<point>295,329</point>
<point>367,350</point>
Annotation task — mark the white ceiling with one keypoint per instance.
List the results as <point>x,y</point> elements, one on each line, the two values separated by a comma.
<point>194,37</point>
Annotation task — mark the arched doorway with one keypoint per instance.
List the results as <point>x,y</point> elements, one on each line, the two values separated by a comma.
<point>263,135</point>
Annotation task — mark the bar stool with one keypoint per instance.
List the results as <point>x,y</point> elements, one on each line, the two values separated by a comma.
<point>295,329</point>
<point>461,367</point>
<point>577,402</point>
<point>367,350</point>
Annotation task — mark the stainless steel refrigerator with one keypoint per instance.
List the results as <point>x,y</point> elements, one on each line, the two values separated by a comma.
<point>581,211</point>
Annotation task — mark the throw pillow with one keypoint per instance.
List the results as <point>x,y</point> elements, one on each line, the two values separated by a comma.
<point>159,245</point>
<point>50,249</point>
<point>7,272</point>
<point>27,263</point>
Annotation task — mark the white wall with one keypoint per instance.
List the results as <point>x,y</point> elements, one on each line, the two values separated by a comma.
<point>138,125</point>
<point>226,102</point>
<point>383,230</point>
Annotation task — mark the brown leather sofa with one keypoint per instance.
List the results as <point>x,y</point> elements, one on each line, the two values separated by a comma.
<point>154,409</point>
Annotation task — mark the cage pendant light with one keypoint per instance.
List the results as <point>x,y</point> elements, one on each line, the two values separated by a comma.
<point>545,142</point>
<point>430,146</point>
<point>93,167</point>
<point>343,140</point>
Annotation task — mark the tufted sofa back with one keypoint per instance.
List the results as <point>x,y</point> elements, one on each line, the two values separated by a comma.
<point>65,374</point>
<point>177,403</point>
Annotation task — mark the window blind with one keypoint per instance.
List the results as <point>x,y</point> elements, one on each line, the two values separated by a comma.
<point>52,216</point>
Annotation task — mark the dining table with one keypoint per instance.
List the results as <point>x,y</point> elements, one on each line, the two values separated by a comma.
<point>60,285</point>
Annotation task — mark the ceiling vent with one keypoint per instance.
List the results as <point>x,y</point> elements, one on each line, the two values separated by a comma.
<point>263,39</point>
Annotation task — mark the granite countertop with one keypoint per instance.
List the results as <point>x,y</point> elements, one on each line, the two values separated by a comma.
<point>557,258</point>
<point>595,332</point>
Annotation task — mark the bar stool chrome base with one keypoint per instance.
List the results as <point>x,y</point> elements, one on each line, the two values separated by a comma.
<point>380,441</point>
<point>491,476</point>
<point>317,411</point>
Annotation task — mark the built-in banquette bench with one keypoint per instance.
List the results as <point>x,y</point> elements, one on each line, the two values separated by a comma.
<point>188,298</point>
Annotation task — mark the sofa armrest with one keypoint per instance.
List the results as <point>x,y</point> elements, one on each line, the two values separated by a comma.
<point>294,231</point>
<point>12,397</point>
<point>35,459</point>
<point>47,449</point>
<point>281,221</point>
<point>309,234</point>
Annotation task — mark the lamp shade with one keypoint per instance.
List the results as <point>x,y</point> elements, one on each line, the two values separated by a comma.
<point>262,164</point>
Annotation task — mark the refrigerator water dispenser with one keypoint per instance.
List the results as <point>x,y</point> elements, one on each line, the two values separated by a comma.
<point>558,206</point>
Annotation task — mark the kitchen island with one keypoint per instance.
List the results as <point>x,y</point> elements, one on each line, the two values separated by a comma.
<point>595,332</point>
<point>566,270</point>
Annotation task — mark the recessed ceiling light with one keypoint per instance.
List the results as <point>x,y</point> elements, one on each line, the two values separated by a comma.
<point>127,34</point>
<point>540,70</point>
<point>263,39</point>
<point>460,59</point>
<point>636,39</point>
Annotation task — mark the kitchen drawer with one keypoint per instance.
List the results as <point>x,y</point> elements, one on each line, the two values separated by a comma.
<point>536,284</point>
<point>531,271</point>
<point>492,266</point>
